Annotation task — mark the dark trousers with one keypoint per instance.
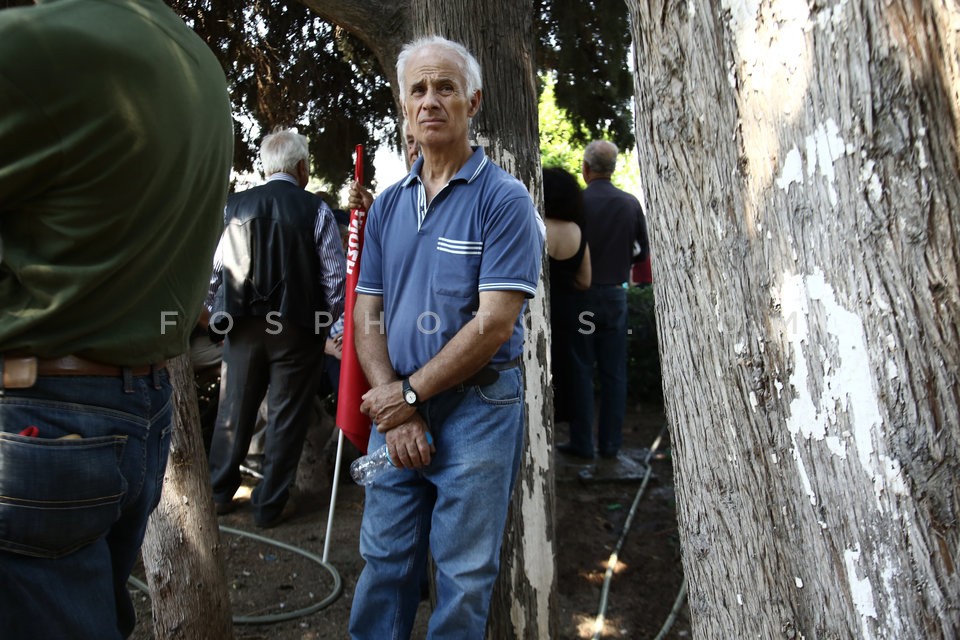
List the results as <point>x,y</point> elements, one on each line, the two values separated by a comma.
<point>566,305</point>
<point>258,361</point>
<point>602,341</point>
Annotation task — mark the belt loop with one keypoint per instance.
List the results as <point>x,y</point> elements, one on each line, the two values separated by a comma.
<point>127,373</point>
<point>155,372</point>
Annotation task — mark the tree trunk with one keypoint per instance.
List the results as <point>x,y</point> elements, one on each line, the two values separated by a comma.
<point>800,166</point>
<point>181,551</point>
<point>500,34</point>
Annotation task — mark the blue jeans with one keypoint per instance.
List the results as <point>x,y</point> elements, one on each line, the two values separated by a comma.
<point>602,340</point>
<point>456,507</point>
<point>73,510</point>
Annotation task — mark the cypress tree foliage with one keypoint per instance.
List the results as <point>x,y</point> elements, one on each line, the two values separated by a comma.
<point>288,67</point>
<point>585,44</point>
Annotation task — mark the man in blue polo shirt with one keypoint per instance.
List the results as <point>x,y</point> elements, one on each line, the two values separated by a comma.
<point>450,255</point>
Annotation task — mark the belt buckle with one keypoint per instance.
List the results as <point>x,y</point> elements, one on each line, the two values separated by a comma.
<point>19,372</point>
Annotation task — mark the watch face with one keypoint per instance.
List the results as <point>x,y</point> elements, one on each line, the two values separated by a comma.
<point>410,396</point>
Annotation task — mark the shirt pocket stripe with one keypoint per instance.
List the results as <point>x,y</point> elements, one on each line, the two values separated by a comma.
<point>460,247</point>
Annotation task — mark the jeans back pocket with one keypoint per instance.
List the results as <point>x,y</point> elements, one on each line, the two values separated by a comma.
<point>57,495</point>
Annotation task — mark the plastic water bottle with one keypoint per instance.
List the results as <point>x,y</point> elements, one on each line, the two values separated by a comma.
<point>366,469</point>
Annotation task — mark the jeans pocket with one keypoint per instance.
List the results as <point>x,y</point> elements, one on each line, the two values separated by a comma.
<point>57,495</point>
<point>506,390</point>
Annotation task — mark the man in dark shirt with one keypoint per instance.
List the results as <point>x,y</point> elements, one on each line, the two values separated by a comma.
<point>614,223</point>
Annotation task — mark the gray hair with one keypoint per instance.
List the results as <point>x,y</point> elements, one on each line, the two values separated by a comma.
<point>468,66</point>
<point>282,150</point>
<point>601,157</point>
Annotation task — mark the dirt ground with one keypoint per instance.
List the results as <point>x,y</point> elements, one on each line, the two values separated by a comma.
<point>593,503</point>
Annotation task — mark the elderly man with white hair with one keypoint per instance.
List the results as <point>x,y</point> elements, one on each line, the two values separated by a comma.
<point>452,252</point>
<point>281,269</point>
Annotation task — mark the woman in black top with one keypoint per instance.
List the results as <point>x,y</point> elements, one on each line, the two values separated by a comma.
<point>569,275</point>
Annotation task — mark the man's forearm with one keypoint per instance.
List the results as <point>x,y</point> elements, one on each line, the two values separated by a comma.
<point>472,347</point>
<point>370,341</point>
<point>385,403</point>
<point>374,359</point>
<point>465,354</point>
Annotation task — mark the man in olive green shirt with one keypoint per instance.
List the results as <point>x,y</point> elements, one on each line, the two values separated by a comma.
<point>115,151</point>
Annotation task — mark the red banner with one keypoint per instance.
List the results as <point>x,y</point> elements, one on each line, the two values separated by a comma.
<point>353,384</point>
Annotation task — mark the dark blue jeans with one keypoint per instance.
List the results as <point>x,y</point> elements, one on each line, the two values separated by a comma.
<point>602,340</point>
<point>74,501</point>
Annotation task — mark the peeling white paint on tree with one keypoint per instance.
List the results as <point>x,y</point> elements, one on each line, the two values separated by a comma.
<point>534,487</point>
<point>861,592</point>
<point>801,169</point>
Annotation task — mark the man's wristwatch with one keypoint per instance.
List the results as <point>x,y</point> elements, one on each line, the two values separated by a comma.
<point>409,395</point>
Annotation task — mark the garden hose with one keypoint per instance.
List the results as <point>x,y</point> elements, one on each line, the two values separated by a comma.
<point>287,615</point>
<point>612,561</point>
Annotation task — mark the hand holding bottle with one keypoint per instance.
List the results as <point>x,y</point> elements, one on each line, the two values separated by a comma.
<point>366,469</point>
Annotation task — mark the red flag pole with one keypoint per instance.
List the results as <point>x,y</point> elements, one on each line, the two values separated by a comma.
<point>353,384</point>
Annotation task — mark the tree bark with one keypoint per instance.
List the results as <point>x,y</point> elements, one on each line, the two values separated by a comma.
<point>383,25</point>
<point>181,550</point>
<point>800,166</point>
<point>500,34</point>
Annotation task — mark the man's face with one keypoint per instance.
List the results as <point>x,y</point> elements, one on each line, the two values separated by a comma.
<point>436,104</point>
<point>413,149</point>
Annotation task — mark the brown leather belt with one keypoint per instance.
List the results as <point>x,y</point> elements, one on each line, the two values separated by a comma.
<point>20,372</point>
<point>76,366</point>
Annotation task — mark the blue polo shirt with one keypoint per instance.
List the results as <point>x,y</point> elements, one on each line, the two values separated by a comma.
<point>430,264</point>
